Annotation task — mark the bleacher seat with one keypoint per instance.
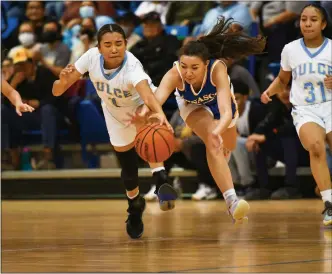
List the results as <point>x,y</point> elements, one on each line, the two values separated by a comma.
<point>92,130</point>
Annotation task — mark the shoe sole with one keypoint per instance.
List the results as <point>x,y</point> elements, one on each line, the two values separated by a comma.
<point>167,191</point>
<point>240,212</point>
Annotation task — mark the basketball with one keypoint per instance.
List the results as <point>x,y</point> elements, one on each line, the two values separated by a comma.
<point>154,143</point>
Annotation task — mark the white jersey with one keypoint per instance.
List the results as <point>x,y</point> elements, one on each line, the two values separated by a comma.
<point>116,89</point>
<point>309,68</point>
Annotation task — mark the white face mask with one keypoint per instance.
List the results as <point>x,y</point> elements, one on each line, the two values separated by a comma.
<point>27,39</point>
<point>87,11</point>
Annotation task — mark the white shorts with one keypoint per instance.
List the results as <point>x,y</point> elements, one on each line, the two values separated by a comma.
<point>317,113</point>
<point>187,108</point>
<point>120,134</point>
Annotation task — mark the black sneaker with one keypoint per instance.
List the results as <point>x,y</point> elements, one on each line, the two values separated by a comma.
<point>165,192</point>
<point>135,226</point>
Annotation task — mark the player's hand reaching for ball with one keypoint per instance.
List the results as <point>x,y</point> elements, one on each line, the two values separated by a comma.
<point>265,98</point>
<point>161,118</point>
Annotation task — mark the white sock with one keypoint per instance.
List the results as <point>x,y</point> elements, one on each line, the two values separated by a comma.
<point>134,196</point>
<point>230,196</point>
<point>326,195</point>
<point>157,169</point>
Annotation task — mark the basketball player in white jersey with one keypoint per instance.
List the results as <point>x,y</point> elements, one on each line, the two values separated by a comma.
<point>124,87</point>
<point>309,62</point>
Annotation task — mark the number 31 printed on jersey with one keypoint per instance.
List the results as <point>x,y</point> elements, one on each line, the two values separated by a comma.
<point>310,89</point>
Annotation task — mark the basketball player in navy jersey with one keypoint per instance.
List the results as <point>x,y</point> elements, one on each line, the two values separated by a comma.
<point>206,102</point>
<point>123,87</point>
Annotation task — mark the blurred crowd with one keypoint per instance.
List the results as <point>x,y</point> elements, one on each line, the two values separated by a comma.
<point>40,38</point>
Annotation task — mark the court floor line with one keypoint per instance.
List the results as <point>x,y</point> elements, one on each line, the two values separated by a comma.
<point>74,245</point>
<point>253,265</point>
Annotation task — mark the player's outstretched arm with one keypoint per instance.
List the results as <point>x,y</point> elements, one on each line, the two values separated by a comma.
<point>220,78</point>
<point>167,85</point>
<point>277,86</point>
<point>68,76</point>
<point>151,102</point>
<point>15,98</point>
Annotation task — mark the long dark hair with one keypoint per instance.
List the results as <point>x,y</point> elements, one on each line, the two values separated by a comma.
<point>327,32</point>
<point>222,42</point>
<point>110,28</point>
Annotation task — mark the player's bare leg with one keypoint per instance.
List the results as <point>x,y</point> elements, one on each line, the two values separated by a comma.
<point>313,137</point>
<point>202,123</point>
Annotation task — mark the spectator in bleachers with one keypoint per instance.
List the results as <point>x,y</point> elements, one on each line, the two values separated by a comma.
<point>53,54</point>
<point>228,9</point>
<point>157,50</point>
<point>241,74</point>
<point>190,153</point>
<point>27,38</point>
<point>91,9</point>
<point>251,112</point>
<point>86,39</point>
<point>128,22</point>
<point>71,14</point>
<point>187,13</point>
<point>55,9</point>
<point>35,13</point>
<point>275,136</point>
<point>160,7</point>
<point>278,21</point>
<point>34,83</point>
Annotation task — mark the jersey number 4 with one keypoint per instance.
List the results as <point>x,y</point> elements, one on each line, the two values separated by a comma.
<point>310,89</point>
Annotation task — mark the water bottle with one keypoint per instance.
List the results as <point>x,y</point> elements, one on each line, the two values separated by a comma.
<point>25,160</point>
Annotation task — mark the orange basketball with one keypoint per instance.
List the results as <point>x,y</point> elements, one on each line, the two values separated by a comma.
<point>154,143</point>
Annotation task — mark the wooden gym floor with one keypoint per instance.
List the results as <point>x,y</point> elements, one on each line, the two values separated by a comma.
<point>89,236</point>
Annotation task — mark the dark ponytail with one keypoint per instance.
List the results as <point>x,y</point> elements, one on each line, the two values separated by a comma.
<point>327,32</point>
<point>222,42</point>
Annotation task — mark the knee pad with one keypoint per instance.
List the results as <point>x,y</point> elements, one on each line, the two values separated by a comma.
<point>129,164</point>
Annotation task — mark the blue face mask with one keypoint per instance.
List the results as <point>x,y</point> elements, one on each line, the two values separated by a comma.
<point>87,11</point>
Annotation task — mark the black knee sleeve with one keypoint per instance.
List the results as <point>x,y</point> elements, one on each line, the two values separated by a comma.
<point>129,164</point>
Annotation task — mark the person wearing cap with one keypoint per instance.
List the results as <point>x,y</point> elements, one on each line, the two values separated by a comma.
<point>128,22</point>
<point>34,84</point>
<point>156,43</point>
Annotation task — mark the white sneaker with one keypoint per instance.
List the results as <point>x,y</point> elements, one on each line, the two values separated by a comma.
<point>238,211</point>
<point>151,196</point>
<point>204,192</point>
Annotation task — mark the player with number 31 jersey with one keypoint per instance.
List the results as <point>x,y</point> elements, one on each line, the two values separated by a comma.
<point>308,61</point>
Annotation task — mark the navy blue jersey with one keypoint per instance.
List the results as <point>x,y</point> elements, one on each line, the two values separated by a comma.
<point>207,95</point>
